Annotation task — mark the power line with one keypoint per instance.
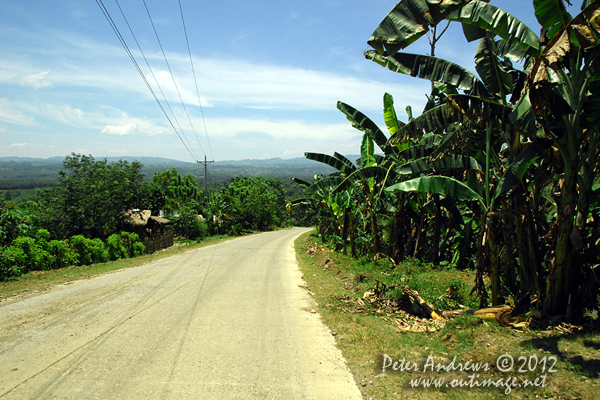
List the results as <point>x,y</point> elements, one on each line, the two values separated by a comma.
<point>152,73</point>
<point>172,76</point>
<point>132,58</point>
<point>195,82</point>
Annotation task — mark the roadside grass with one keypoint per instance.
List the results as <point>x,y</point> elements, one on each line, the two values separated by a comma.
<point>338,282</point>
<point>35,281</point>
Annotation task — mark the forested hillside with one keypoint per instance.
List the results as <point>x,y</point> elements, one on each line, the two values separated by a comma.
<point>19,177</point>
<point>99,210</point>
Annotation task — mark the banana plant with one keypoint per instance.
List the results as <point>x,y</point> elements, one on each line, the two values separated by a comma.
<point>473,124</point>
<point>564,95</point>
<point>557,101</point>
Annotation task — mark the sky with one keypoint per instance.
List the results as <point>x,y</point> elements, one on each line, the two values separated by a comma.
<point>269,74</point>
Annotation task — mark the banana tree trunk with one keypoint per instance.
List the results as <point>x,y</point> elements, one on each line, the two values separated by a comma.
<point>398,234</point>
<point>345,229</point>
<point>558,288</point>
<point>437,226</point>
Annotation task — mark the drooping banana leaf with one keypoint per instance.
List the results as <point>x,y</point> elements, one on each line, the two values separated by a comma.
<point>437,184</point>
<point>363,123</point>
<point>329,160</point>
<point>493,74</point>
<point>422,166</point>
<point>510,50</point>
<point>424,148</point>
<point>408,21</point>
<point>379,159</point>
<point>437,118</point>
<point>344,160</point>
<point>429,68</point>
<point>375,173</point>
<point>481,111</point>
<point>519,166</point>
<point>454,135</point>
<point>389,114</point>
<point>552,15</point>
<point>449,203</point>
<point>301,182</point>
<point>491,18</point>
<point>473,32</point>
<point>582,32</point>
<point>303,204</point>
<point>523,116</point>
<point>322,184</point>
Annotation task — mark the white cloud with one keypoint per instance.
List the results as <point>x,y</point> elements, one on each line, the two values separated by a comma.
<point>13,112</point>
<point>35,81</point>
<point>222,81</point>
<point>121,130</point>
<point>31,150</point>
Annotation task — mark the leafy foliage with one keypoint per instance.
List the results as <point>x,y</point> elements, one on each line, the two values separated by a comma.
<point>91,197</point>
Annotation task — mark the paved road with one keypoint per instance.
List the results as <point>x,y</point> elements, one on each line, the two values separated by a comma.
<point>227,321</point>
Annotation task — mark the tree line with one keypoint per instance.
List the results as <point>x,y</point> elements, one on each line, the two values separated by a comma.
<point>84,218</point>
<point>499,173</point>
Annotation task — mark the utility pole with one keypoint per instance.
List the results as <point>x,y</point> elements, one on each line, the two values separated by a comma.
<point>205,163</point>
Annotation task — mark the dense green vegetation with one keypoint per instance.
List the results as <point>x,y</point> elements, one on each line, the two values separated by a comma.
<point>499,172</point>
<point>84,217</point>
<point>20,177</point>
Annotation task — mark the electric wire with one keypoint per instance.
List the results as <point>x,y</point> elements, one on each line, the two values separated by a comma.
<point>150,68</point>
<point>172,77</point>
<point>195,81</point>
<point>132,58</point>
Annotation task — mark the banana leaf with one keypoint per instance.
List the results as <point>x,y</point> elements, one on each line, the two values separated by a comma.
<point>433,120</point>
<point>429,68</point>
<point>437,184</point>
<point>331,161</point>
<point>491,18</point>
<point>424,148</point>
<point>322,184</point>
<point>510,50</point>
<point>518,167</point>
<point>552,15</point>
<point>363,123</point>
<point>389,114</point>
<point>375,173</point>
<point>408,21</point>
<point>421,166</point>
<point>301,182</point>
<point>524,117</point>
<point>367,151</point>
<point>581,32</point>
<point>491,71</point>
<point>344,160</point>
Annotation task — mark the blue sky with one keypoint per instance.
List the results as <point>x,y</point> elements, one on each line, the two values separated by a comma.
<point>269,74</point>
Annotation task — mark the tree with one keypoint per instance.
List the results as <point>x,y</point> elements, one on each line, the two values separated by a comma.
<point>171,192</point>
<point>254,203</point>
<point>91,197</point>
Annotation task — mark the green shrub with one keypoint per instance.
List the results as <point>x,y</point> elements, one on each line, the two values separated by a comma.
<point>80,244</point>
<point>98,251</point>
<point>139,249</point>
<point>12,262</point>
<point>89,251</point>
<point>42,236</point>
<point>116,248</point>
<point>36,258</point>
<point>188,225</point>
<point>61,254</point>
<point>132,244</point>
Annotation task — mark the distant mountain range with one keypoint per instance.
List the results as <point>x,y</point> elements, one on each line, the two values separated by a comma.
<point>19,169</point>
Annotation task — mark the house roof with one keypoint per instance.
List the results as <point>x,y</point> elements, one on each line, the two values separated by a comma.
<point>141,218</point>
